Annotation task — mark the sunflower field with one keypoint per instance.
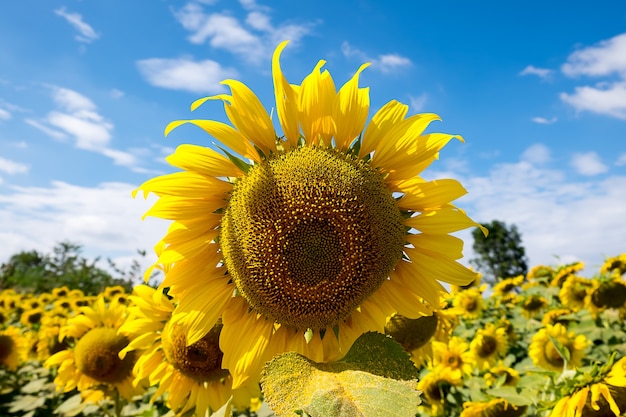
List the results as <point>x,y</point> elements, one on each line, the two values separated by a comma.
<point>552,343</point>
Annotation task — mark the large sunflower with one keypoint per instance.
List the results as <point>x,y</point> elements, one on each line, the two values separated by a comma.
<point>304,241</point>
<point>600,391</point>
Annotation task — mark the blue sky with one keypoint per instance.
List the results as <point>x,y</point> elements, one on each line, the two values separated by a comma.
<point>537,89</point>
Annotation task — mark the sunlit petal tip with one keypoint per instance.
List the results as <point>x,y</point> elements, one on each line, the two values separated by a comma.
<point>199,102</point>
<point>173,125</point>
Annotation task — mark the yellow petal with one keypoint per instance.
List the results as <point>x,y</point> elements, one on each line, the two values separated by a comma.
<point>249,116</point>
<point>445,220</point>
<point>382,122</point>
<point>316,98</point>
<point>229,136</point>
<point>420,195</point>
<point>286,100</point>
<point>203,160</point>
<point>184,184</point>
<point>350,110</point>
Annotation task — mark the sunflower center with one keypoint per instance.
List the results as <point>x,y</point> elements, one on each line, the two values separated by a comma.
<point>96,355</point>
<point>6,346</point>
<point>201,361</point>
<point>488,346</point>
<point>610,294</point>
<point>309,234</point>
<point>411,333</point>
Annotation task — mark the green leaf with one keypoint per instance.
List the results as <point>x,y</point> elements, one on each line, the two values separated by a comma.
<point>563,351</point>
<point>376,378</point>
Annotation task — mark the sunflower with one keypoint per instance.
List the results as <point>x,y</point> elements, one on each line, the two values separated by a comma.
<point>542,273</point>
<point>436,385</point>
<point>574,292</point>
<point>305,241</point>
<point>489,345</point>
<point>502,375</point>
<point>600,391</point>
<point>565,272</point>
<point>545,354</point>
<point>532,305</point>
<point>497,407</point>
<point>507,285</point>
<point>13,348</point>
<point>91,362</point>
<point>32,318</point>
<point>607,292</point>
<point>468,303</point>
<point>190,375</point>
<point>614,264</point>
<point>454,355</point>
<point>418,335</point>
<point>558,315</point>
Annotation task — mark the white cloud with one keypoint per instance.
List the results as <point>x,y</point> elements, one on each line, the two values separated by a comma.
<point>543,120</point>
<point>621,160</point>
<point>588,163</point>
<point>540,72</point>
<point>385,63</point>
<point>418,103</point>
<point>606,57</point>
<point>11,167</point>
<point>252,39</point>
<point>105,219</point>
<point>536,154</point>
<point>605,98</point>
<point>4,115</point>
<point>86,33</point>
<point>572,220</point>
<point>115,93</point>
<point>185,74</point>
<point>77,117</point>
<point>56,134</point>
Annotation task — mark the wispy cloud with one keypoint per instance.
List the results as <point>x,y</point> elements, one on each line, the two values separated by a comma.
<point>621,160</point>
<point>588,163</point>
<point>11,167</point>
<point>105,219</point>
<point>86,33</point>
<point>540,72</point>
<point>5,115</point>
<point>545,205</point>
<point>418,103</point>
<point>252,38</point>
<point>605,59</point>
<point>385,63</point>
<point>536,154</point>
<point>185,74</point>
<point>76,117</point>
<point>543,120</point>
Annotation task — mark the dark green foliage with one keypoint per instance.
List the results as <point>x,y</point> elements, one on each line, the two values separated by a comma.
<point>36,272</point>
<point>501,253</point>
